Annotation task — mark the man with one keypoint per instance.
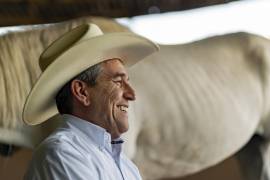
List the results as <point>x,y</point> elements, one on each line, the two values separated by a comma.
<point>84,76</point>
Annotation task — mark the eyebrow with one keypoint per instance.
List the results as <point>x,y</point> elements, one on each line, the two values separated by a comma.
<point>122,75</point>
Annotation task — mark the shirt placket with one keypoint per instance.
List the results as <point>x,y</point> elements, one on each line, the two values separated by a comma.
<point>116,151</point>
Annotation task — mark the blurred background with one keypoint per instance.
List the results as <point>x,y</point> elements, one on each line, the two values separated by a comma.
<point>163,21</point>
<point>193,19</point>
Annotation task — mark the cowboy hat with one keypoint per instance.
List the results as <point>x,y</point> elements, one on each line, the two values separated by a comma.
<point>71,54</point>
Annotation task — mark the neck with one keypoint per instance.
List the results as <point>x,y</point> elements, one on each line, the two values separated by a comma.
<point>113,131</point>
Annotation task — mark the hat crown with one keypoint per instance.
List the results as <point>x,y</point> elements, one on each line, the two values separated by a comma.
<point>66,41</point>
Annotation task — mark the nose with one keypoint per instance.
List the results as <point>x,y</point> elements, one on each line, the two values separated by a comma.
<point>129,92</point>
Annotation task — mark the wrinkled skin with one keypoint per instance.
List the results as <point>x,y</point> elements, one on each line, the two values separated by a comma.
<point>105,104</point>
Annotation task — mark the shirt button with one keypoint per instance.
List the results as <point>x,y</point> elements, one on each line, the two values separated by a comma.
<point>107,138</point>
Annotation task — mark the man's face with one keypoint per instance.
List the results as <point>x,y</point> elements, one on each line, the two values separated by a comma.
<point>109,98</point>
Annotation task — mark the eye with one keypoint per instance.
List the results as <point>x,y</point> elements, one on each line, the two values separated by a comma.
<point>118,81</point>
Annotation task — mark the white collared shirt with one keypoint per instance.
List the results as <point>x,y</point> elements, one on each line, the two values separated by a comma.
<point>80,150</point>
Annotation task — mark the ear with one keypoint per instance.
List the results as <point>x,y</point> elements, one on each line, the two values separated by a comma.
<point>79,91</point>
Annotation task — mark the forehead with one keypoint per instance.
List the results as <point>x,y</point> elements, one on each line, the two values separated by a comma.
<point>114,67</point>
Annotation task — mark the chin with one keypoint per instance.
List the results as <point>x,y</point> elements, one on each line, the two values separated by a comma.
<point>123,128</point>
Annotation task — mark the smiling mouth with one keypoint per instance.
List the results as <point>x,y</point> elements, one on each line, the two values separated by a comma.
<point>123,108</point>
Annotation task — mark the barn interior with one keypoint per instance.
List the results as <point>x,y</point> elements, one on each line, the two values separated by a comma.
<point>13,13</point>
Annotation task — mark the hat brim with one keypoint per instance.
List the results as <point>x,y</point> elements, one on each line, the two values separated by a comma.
<point>130,48</point>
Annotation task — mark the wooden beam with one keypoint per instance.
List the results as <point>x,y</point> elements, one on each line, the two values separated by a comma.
<point>17,12</point>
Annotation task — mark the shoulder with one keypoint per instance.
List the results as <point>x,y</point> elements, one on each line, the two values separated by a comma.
<point>55,148</point>
<point>60,140</point>
<point>60,145</point>
<point>61,157</point>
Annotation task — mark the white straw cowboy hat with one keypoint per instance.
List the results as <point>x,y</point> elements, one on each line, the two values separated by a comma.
<point>73,53</point>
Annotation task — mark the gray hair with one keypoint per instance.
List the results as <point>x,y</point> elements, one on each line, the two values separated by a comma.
<point>64,97</point>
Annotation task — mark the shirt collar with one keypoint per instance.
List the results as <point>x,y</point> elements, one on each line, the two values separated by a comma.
<point>97,134</point>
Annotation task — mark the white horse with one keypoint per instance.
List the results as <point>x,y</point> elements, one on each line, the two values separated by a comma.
<point>197,103</point>
<point>200,103</point>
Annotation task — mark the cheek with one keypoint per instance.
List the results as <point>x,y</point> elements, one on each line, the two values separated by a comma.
<point>113,95</point>
<point>109,95</point>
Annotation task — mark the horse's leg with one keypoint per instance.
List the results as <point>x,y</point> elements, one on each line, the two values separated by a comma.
<point>253,159</point>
